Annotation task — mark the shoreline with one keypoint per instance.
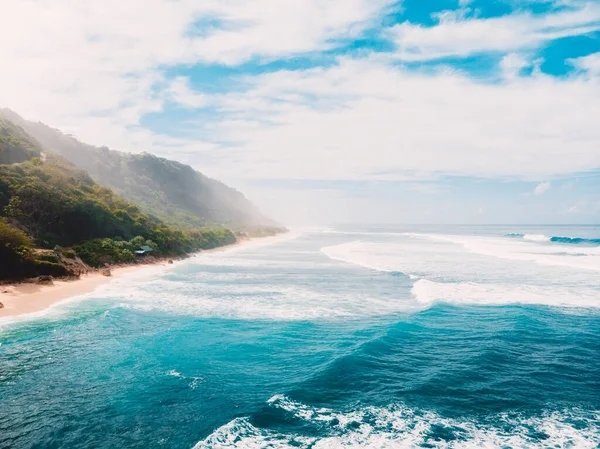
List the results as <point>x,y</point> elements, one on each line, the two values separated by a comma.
<point>24,298</point>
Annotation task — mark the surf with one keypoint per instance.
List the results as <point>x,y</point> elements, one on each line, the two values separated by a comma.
<point>482,270</point>
<point>400,426</point>
<point>556,239</point>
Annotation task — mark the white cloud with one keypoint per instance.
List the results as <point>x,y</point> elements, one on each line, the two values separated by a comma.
<point>372,120</point>
<point>590,63</point>
<point>94,68</point>
<point>512,64</point>
<point>180,92</point>
<point>458,36</point>
<point>542,188</point>
<point>274,29</point>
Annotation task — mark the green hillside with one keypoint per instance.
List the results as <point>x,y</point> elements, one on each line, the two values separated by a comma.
<point>172,191</point>
<point>52,204</point>
<point>15,144</point>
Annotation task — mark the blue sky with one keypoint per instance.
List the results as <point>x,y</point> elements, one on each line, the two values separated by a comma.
<point>416,111</point>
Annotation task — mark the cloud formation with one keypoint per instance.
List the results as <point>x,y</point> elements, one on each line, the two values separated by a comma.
<point>97,68</point>
<point>456,35</point>
<point>372,120</point>
<point>542,188</point>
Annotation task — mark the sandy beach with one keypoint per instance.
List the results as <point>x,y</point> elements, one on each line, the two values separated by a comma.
<point>24,298</point>
<point>27,297</point>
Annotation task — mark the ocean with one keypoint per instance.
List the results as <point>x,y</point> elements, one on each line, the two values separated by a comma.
<point>345,337</point>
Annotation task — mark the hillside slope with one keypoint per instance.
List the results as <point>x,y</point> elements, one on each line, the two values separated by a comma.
<point>172,191</point>
<point>15,144</point>
<point>52,204</point>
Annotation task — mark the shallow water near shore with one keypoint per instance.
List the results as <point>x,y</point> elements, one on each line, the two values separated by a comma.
<point>408,337</point>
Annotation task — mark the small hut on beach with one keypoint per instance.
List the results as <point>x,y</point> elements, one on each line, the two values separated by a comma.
<point>143,251</point>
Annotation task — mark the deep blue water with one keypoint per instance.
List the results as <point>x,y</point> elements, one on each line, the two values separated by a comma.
<point>393,337</point>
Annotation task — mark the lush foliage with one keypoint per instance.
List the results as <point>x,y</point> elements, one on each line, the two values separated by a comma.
<point>262,231</point>
<point>15,144</point>
<point>58,204</point>
<point>15,245</point>
<point>18,259</point>
<point>165,241</point>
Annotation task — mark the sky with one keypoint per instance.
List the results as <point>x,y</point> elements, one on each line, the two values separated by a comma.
<point>327,111</point>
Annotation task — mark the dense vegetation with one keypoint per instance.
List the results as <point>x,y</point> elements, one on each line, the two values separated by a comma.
<point>174,192</point>
<point>15,144</point>
<point>59,205</point>
<point>18,258</point>
<point>164,241</point>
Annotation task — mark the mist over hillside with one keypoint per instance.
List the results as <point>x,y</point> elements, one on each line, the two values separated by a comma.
<point>15,144</point>
<point>172,191</point>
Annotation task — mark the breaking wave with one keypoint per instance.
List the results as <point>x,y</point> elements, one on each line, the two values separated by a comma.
<point>238,293</point>
<point>481,270</point>
<point>428,292</point>
<point>556,239</point>
<point>399,426</point>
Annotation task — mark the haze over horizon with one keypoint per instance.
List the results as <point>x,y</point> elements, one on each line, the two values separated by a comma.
<point>322,112</point>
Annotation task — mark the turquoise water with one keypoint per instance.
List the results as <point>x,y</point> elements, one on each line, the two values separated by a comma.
<point>415,337</point>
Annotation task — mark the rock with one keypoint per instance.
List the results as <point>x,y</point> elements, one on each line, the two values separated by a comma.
<point>170,261</point>
<point>45,280</point>
<point>105,272</point>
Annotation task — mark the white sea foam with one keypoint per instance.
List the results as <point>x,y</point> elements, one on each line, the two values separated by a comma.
<point>366,233</point>
<point>253,301</point>
<point>57,311</point>
<point>567,256</point>
<point>131,289</point>
<point>536,237</point>
<point>377,256</point>
<point>409,256</point>
<point>481,270</point>
<point>427,292</point>
<point>399,426</point>
<point>194,380</point>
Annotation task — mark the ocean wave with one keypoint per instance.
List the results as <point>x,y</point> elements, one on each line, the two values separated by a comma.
<point>575,240</point>
<point>588,257</point>
<point>259,301</point>
<point>530,237</point>
<point>359,253</point>
<point>428,292</point>
<point>536,237</point>
<point>443,258</point>
<point>555,239</point>
<point>445,272</point>
<point>399,426</point>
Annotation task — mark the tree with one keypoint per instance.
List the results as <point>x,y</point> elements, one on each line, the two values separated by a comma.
<point>15,247</point>
<point>13,208</point>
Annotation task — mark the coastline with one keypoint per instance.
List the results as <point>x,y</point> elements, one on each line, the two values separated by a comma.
<point>27,297</point>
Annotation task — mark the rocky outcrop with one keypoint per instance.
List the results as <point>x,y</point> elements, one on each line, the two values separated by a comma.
<point>45,280</point>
